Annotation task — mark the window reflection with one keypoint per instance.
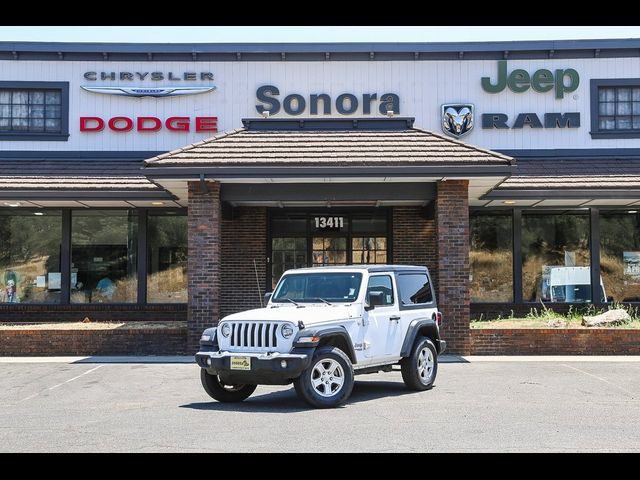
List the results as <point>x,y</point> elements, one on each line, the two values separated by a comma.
<point>167,258</point>
<point>620,255</point>
<point>287,253</point>
<point>491,257</point>
<point>369,250</point>
<point>104,256</point>
<point>329,251</point>
<point>30,245</point>
<point>555,258</point>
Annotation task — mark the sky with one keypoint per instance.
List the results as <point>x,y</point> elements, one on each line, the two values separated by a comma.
<point>259,34</point>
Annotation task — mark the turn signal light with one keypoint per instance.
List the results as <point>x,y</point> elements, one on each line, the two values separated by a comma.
<point>308,339</point>
<point>438,318</point>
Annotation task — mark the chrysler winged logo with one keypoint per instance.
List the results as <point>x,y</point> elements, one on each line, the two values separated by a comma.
<point>149,91</point>
<point>457,119</point>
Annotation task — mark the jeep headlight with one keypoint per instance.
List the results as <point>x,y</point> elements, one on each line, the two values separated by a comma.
<point>225,330</point>
<point>286,330</point>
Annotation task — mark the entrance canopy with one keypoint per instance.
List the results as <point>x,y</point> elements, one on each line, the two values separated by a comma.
<point>386,161</point>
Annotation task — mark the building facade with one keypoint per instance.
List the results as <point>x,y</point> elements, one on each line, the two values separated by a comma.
<point>178,182</point>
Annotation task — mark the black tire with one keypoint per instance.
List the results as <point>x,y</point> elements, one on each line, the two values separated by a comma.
<point>224,393</point>
<point>415,377</point>
<point>310,387</point>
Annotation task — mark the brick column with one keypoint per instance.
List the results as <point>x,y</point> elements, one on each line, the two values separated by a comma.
<point>244,239</point>
<point>414,239</point>
<point>204,261</point>
<point>452,230</point>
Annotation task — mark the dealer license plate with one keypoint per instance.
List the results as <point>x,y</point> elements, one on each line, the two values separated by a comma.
<point>240,363</point>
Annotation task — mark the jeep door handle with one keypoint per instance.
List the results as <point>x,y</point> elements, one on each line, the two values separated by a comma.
<point>395,318</point>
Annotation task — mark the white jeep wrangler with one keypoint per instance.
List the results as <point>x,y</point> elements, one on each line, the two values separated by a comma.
<point>320,327</point>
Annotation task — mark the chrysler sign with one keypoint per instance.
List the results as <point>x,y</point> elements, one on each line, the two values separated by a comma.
<point>149,91</point>
<point>141,76</point>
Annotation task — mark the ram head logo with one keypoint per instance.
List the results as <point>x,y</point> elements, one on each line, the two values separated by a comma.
<point>457,119</point>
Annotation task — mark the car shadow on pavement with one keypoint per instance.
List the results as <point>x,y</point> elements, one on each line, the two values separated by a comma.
<point>283,401</point>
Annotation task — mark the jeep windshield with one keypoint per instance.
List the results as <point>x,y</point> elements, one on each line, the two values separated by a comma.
<point>318,288</point>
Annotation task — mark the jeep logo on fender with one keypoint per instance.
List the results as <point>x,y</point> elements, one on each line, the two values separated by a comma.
<point>543,80</point>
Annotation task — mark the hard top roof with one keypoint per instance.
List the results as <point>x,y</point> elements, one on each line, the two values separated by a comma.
<point>369,268</point>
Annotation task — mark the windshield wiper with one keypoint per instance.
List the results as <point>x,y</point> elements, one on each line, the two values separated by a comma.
<point>295,303</point>
<point>323,300</point>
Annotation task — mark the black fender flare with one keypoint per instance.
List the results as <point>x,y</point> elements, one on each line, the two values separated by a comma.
<point>416,326</point>
<point>324,334</point>
<point>213,343</point>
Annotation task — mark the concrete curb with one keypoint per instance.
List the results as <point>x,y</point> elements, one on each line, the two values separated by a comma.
<point>539,358</point>
<point>102,359</point>
<point>443,359</point>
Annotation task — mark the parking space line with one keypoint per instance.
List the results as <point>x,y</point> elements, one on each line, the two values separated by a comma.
<point>60,384</point>
<point>602,380</point>
<point>77,377</point>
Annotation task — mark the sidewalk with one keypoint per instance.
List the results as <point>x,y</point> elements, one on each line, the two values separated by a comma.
<point>443,359</point>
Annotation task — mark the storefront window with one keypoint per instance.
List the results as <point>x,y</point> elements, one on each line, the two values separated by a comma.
<point>30,245</point>
<point>555,258</point>
<point>620,255</point>
<point>104,256</point>
<point>491,257</point>
<point>167,258</point>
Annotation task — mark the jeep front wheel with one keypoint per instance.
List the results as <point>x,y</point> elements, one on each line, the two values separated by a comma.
<point>328,381</point>
<point>420,368</point>
<point>222,392</point>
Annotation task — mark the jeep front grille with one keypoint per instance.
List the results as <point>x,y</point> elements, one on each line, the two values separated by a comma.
<point>254,334</point>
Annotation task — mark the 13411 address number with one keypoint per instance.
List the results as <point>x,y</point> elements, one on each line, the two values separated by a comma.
<point>329,222</point>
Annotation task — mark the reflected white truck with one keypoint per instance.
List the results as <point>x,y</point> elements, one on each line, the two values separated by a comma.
<point>321,327</point>
<point>572,284</point>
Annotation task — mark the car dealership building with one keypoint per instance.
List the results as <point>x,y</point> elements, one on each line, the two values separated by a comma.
<point>178,181</point>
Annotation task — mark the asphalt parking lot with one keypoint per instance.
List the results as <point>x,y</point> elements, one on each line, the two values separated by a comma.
<point>559,405</point>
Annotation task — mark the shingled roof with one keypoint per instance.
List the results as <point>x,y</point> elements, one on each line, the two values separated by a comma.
<point>574,174</point>
<point>103,178</point>
<point>308,147</point>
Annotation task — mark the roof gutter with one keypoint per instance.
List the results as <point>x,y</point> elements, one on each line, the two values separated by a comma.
<point>529,194</point>
<point>253,172</point>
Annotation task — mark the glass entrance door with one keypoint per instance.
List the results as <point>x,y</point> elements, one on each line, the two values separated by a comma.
<point>316,238</point>
<point>329,251</point>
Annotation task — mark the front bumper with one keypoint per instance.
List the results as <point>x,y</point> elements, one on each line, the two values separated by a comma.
<point>266,368</point>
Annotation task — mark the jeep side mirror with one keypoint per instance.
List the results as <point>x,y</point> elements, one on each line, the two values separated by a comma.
<point>267,296</point>
<point>375,298</point>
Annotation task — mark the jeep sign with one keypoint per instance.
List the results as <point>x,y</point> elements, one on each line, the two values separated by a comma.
<point>543,80</point>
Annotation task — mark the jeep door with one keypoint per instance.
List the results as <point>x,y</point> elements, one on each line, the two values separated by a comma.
<point>381,324</point>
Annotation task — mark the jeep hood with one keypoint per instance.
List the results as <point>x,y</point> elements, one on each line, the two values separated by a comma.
<point>310,314</point>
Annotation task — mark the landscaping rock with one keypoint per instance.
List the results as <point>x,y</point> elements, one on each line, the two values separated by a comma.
<point>557,323</point>
<point>612,317</point>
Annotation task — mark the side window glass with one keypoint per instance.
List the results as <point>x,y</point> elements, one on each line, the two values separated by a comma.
<point>414,288</point>
<point>381,283</point>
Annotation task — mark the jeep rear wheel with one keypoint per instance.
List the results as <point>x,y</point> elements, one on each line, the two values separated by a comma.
<point>328,381</point>
<point>222,392</point>
<point>420,368</point>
